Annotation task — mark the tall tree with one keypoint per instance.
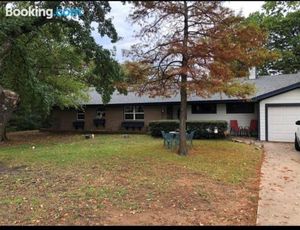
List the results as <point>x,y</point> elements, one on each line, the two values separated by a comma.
<point>282,20</point>
<point>197,47</point>
<point>49,61</point>
<point>49,72</point>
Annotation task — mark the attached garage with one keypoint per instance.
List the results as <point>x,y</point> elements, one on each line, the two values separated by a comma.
<point>280,121</point>
<point>278,114</point>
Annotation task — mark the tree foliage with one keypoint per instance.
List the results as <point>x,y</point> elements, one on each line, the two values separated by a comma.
<point>282,20</point>
<point>193,47</point>
<point>53,61</point>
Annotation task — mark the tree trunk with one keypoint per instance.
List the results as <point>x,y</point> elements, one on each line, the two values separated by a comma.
<point>5,136</point>
<point>8,103</point>
<point>4,119</point>
<point>1,132</point>
<point>183,151</point>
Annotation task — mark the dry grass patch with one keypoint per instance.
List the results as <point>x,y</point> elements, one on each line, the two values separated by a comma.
<point>119,181</point>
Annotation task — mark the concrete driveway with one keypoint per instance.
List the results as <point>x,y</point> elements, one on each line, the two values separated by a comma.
<point>279,196</point>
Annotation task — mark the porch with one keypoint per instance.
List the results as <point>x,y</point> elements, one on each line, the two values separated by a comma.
<point>239,115</point>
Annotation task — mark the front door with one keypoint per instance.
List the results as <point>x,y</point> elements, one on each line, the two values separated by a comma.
<point>169,112</point>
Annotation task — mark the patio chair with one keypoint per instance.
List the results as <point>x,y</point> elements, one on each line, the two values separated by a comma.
<point>190,136</point>
<point>250,130</point>
<point>168,139</point>
<point>253,128</point>
<point>164,137</point>
<point>176,139</point>
<point>234,128</point>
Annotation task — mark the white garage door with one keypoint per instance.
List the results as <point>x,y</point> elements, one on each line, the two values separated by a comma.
<point>281,123</point>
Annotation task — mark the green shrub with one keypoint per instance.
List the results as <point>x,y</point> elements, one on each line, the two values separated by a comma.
<point>201,128</point>
<point>156,127</point>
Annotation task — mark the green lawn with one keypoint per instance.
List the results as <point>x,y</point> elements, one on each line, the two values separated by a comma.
<point>134,180</point>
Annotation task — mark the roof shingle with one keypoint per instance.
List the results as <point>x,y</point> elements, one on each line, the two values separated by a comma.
<point>263,84</point>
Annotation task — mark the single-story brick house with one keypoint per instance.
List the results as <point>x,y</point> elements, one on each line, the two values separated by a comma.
<point>276,107</point>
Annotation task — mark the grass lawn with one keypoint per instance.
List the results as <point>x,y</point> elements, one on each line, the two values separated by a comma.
<point>112,180</point>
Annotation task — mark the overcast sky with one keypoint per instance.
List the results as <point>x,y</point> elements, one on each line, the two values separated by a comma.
<point>119,13</point>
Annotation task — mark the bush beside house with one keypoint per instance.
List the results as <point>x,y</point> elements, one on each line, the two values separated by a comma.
<point>204,129</point>
<point>155,127</point>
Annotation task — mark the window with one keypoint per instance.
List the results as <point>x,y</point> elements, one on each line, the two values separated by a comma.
<point>240,107</point>
<point>133,112</point>
<point>100,113</point>
<point>204,108</point>
<point>80,115</point>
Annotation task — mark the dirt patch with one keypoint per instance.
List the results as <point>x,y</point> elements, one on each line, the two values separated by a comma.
<point>6,170</point>
<point>95,197</point>
<point>35,137</point>
<point>185,182</point>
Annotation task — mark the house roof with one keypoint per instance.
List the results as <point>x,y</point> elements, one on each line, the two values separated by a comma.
<point>266,86</point>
